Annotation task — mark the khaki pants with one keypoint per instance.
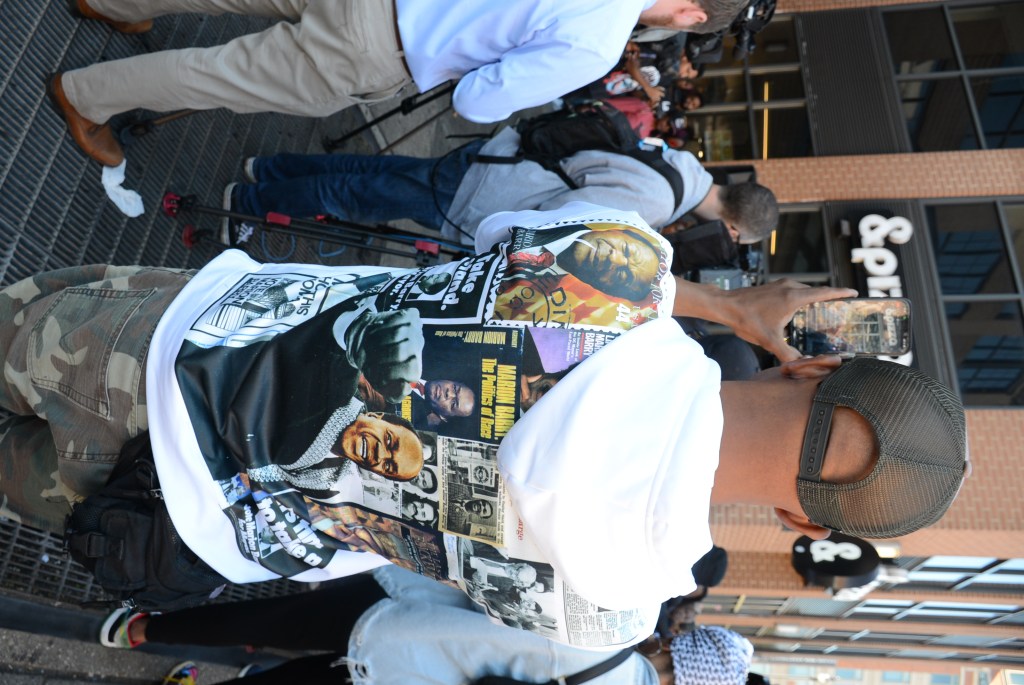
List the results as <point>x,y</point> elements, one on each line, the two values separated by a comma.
<point>338,53</point>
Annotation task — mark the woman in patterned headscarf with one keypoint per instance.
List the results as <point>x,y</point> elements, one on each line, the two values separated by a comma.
<point>709,655</point>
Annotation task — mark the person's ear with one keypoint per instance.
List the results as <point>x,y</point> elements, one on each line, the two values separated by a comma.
<point>801,524</point>
<point>811,367</point>
<point>689,16</point>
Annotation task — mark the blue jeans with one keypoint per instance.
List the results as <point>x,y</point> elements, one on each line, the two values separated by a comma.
<point>363,188</point>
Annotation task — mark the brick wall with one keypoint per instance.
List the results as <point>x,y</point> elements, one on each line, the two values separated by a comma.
<point>900,176</point>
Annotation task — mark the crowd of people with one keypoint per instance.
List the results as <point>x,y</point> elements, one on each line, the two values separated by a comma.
<point>522,446</point>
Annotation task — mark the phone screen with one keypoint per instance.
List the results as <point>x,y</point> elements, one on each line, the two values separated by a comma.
<point>850,327</point>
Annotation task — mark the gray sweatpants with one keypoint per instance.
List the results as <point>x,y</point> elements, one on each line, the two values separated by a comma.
<point>336,53</point>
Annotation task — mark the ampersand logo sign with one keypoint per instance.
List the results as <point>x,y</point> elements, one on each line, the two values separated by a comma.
<point>839,560</point>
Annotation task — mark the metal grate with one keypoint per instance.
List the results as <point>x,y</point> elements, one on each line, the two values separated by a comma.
<point>33,564</point>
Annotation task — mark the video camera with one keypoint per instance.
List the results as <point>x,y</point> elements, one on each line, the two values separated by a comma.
<point>707,48</point>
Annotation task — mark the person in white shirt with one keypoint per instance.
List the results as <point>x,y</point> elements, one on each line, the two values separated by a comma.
<point>324,56</point>
<point>609,497</point>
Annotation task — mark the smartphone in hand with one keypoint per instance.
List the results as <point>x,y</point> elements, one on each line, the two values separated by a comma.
<point>859,326</point>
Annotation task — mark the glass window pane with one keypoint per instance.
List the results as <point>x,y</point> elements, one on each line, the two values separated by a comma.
<point>878,610</point>
<point>973,563</point>
<point>723,137</point>
<point>963,640</point>
<point>1000,103</point>
<point>722,88</point>
<point>990,35</point>
<point>776,43</point>
<point>1014,213</point>
<point>937,115</point>
<point>783,85</point>
<point>988,349</point>
<point>965,616</point>
<point>947,577</point>
<point>969,249</point>
<point>799,244</point>
<point>970,606</point>
<point>919,41</point>
<point>785,132</point>
<point>999,579</point>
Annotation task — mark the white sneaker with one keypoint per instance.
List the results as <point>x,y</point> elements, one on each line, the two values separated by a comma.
<point>114,632</point>
<point>225,222</point>
<point>249,171</point>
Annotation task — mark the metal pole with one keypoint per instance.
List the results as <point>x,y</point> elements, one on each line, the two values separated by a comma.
<point>408,105</point>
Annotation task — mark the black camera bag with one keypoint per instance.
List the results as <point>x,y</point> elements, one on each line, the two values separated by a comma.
<point>704,246</point>
<point>124,536</point>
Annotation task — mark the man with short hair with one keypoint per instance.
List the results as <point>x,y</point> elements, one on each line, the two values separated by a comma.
<point>749,211</point>
<point>617,262</point>
<point>448,399</point>
<point>384,444</point>
<point>322,57</point>
<point>479,507</point>
<point>425,481</point>
<point>454,193</point>
<point>421,510</point>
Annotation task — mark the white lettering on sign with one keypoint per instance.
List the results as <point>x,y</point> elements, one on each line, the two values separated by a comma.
<point>826,550</point>
<point>879,261</point>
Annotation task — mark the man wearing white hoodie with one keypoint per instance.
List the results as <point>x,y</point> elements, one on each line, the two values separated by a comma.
<point>598,490</point>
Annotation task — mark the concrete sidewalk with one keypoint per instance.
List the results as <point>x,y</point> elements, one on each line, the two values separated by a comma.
<point>34,659</point>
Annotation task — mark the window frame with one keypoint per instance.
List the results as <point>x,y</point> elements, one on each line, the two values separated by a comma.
<point>1014,265</point>
<point>961,73</point>
<point>752,106</point>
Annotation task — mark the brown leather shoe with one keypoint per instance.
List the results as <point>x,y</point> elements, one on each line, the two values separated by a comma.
<point>96,140</point>
<point>83,10</point>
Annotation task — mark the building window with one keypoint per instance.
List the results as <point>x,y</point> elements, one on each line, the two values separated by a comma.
<point>958,612</point>
<point>941,612</point>
<point>982,574</point>
<point>798,247</point>
<point>960,74</point>
<point>755,108</point>
<point>979,250</point>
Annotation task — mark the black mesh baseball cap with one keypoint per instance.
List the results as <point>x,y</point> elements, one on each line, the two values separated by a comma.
<point>922,451</point>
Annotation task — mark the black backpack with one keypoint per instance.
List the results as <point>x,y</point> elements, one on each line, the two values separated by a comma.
<point>549,138</point>
<point>124,536</point>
